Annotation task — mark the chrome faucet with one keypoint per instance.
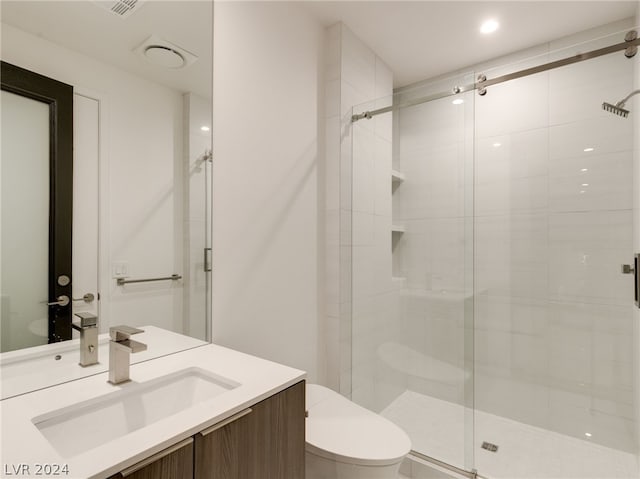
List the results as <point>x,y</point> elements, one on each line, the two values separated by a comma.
<point>88,327</point>
<point>120,349</point>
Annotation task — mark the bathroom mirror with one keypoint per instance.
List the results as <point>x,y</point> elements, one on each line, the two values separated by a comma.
<point>124,233</point>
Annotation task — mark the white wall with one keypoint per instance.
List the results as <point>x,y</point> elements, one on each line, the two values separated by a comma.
<point>267,86</point>
<point>141,200</point>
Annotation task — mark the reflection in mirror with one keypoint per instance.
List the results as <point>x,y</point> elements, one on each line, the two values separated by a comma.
<point>25,151</point>
<point>141,182</point>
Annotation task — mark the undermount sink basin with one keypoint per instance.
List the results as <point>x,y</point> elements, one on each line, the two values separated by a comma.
<point>89,424</point>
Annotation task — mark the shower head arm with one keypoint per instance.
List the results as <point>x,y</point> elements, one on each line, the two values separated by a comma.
<point>622,102</point>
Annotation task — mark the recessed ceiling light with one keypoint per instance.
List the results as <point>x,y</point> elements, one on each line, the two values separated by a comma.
<point>585,184</point>
<point>496,145</point>
<point>582,192</point>
<point>205,128</point>
<point>588,434</point>
<point>489,26</point>
<point>458,101</point>
<point>584,169</point>
<point>587,150</point>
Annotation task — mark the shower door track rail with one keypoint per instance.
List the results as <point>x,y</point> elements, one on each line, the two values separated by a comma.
<point>473,474</point>
<point>483,82</point>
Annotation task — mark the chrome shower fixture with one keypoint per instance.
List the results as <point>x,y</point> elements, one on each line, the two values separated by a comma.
<point>618,108</point>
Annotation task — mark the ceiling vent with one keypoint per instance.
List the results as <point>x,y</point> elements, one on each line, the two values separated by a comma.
<point>165,54</point>
<point>121,8</point>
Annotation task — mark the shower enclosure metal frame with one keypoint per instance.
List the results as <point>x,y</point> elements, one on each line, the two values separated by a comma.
<point>630,46</point>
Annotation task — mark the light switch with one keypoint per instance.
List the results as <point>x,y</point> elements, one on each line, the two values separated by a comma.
<point>120,269</point>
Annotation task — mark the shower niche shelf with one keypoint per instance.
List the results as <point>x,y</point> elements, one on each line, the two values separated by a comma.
<point>397,176</point>
<point>397,230</point>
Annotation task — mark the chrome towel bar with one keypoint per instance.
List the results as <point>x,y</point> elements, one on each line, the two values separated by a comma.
<point>123,281</point>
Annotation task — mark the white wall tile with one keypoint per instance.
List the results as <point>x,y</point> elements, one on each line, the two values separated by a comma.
<point>382,176</point>
<point>605,185</point>
<point>358,64</point>
<point>605,133</point>
<point>366,190</point>
<point>585,254</point>
<point>513,106</point>
<point>576,92</point>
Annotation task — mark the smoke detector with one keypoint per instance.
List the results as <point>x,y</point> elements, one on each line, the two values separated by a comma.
<point>165,54</point>
<point>121,8</point>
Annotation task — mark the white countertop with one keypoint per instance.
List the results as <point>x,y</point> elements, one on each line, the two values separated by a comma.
<point>22,442</point>
<point>35,368</point>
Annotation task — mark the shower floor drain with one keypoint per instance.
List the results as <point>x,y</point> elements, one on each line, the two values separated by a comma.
<point>489,447</point>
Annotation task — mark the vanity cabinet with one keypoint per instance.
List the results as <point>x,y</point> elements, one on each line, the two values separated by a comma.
<point>264,441</point>
<point>175,462</point>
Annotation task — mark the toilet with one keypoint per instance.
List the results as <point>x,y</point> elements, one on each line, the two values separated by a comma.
<point>347,441</point>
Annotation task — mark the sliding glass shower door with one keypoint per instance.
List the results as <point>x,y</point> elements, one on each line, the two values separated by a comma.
<point>412,276</point>
<point>492,318</point>
<point>554,374</point>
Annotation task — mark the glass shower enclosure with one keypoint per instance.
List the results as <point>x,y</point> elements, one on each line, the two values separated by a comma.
<point>491,319</point>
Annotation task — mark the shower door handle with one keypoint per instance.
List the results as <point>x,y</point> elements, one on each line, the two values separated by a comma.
<point>636,282</point>
<point>633,269</point>
<point>207,260</point>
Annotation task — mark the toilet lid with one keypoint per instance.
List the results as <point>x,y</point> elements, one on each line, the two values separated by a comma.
<point>339,429</point>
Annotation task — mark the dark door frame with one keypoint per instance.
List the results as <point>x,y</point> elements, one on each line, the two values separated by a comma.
<point>59,97</point>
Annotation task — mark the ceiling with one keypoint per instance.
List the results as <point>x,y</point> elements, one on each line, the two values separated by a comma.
<point>87,28</point>
<point>425,39</point>
<point>417,39</point>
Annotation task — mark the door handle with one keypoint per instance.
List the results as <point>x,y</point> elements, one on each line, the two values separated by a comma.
<point>207,260</point>
<point>87,298</point>
<point>636,283</point>
<point>62,300</point>
<point>634,270</point>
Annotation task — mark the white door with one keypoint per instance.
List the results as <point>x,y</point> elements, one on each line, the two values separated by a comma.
<point>25,222</point>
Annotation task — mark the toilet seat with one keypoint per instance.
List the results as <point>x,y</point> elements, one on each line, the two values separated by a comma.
<point>340,430</point>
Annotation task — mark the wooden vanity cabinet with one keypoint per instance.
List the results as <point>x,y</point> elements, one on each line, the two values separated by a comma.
<point>175,462</point>
<point>264,441</point>
<point>267,442</point>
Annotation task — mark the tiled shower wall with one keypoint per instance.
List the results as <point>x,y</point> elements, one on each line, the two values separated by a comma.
<point>354,75</point>
<point>553,315</point>
<point>434,150</point>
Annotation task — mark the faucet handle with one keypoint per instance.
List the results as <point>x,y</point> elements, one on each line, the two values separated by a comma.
<point>133,346</point>
<point>87,320</point>
<point>122,332</point>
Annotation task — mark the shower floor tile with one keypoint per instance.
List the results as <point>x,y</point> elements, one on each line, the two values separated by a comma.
<point>437,429</point>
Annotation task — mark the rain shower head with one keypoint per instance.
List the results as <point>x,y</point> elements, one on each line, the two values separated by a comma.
<point>618,108</point>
